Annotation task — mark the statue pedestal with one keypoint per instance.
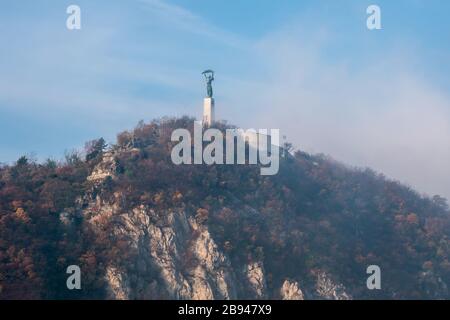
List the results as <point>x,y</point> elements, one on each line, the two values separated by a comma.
<point>209,115</point>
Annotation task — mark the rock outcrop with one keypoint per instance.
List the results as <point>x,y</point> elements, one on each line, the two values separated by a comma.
<point>291,291</point>
<point>256,280</point>
<point>183,253</point>
<point>326,288</point>
<point>106,168</point>
<point>118,289</point>
<point>176,256</point>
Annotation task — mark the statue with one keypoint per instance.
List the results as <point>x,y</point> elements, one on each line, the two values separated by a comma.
<point>209,77</point>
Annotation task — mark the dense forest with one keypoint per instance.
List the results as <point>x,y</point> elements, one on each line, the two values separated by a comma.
<point>315,214</point>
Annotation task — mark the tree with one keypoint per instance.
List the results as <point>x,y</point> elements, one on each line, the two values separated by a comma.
<point>22,161</point>
<point>94,149</point>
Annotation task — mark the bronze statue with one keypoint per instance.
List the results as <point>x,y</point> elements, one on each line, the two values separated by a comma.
<point>209,77</point>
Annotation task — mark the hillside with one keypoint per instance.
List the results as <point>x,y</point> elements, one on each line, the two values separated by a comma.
<point>141,227</point>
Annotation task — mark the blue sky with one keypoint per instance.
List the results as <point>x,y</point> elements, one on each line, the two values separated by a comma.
<point>311,68</point>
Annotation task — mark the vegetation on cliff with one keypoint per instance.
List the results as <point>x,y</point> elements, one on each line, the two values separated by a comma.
<point>315,214</point>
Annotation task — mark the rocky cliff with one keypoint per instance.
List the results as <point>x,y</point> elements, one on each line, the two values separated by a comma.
<point>165,241</point>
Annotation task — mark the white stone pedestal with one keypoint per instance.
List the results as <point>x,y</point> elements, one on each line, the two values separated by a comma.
<point>209,115</point>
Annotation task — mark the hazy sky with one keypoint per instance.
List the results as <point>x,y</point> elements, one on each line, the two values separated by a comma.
<point>311,68</point>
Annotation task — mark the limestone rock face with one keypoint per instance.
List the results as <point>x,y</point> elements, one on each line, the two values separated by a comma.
<point>118,288</point>
<point>169,254</point>
<point>214,267</point>
<point>327,289</point>
<point>106,168</point>
<point>177,258</point>
<point>256,279</point>
<point>290,291</point>
<point>163,246</point>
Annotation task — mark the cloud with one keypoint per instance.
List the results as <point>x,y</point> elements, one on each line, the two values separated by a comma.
<point>185,20</point>
<point>383,114</point>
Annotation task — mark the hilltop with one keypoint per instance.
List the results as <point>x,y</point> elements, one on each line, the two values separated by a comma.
<point>141,227</point>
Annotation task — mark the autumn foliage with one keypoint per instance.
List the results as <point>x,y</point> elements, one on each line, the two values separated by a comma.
<point>315,214</point>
